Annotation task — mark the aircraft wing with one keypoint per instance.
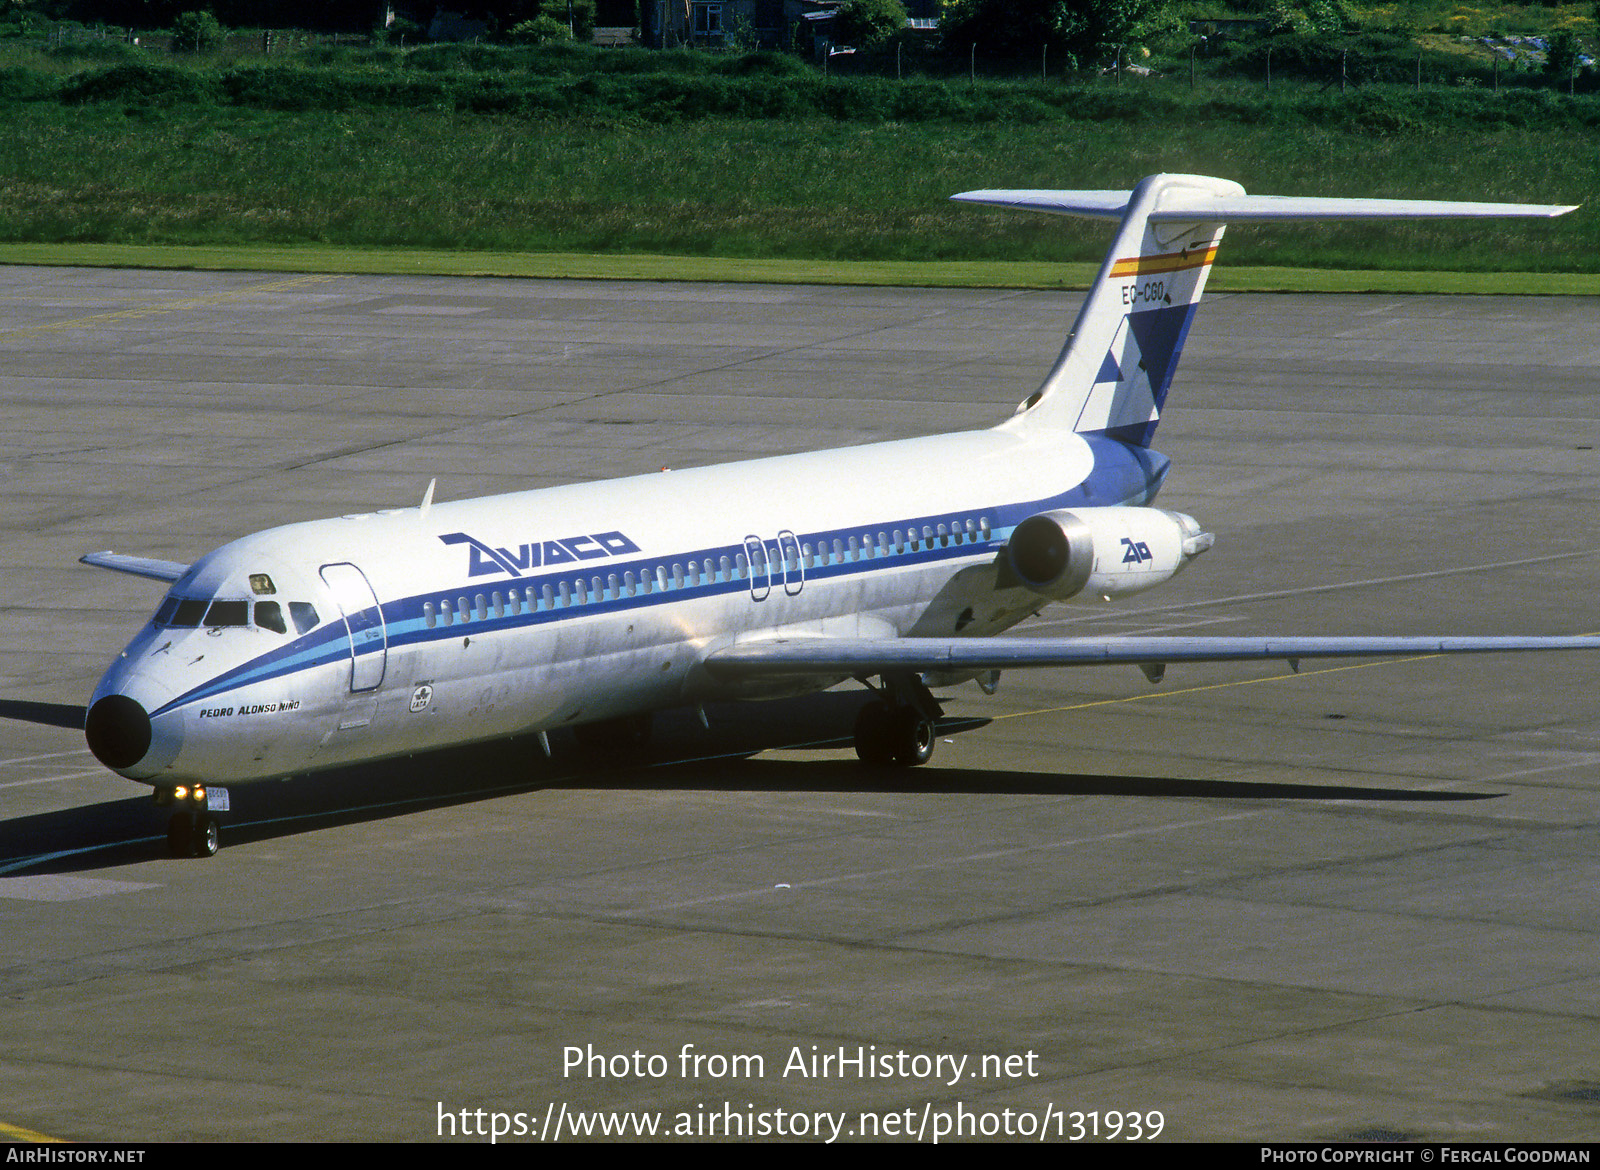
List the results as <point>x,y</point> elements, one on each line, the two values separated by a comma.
<point>138,566</point>
<point>863,656</point>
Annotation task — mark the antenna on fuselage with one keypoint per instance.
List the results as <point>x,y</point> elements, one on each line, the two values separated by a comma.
<point>427,500</point>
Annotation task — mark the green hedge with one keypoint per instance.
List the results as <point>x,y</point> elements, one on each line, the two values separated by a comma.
<point>765,87</point>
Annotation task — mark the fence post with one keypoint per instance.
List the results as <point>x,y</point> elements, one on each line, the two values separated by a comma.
<point>1419,70</point>
<point>1269,68</point>
<point>972,64</point>
<point>1344,73</point>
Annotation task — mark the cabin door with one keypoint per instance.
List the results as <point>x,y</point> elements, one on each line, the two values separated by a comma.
<point>363,623</point>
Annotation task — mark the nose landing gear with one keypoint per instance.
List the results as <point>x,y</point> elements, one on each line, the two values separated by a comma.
<point>192,830</point>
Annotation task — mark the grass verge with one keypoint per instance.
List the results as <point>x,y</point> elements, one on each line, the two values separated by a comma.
<point>891,273</point>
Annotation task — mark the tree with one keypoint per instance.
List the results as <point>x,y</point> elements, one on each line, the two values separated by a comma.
<point>541,30</point>
<point>509,15</point>
<point>1087,29</point>
<point>195,32</point>
<point>1561,60</point>
<point>864,23</point>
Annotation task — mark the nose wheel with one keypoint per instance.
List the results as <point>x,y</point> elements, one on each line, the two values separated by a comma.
<point>192,829</point>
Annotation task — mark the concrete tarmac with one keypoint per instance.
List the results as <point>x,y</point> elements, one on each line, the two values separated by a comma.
<point>1355,902</point>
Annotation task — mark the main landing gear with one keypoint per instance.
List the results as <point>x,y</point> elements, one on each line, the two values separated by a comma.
<point>192,830</point>
<point>898,727</point>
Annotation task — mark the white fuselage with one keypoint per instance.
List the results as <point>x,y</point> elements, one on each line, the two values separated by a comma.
<point>536,610</point>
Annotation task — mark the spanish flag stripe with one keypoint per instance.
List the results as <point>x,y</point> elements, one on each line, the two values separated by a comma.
<point>1171,262</point>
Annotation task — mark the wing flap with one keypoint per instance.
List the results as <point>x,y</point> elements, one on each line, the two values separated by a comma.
<point>137,566</point>
<point>863,656</point>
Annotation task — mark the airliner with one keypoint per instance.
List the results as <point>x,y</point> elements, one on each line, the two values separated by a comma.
<point>899,565</point>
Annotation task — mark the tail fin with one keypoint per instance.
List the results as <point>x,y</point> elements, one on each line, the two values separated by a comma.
<point>1114,371</point>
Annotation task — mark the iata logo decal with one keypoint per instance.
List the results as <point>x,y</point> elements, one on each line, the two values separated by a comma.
<point>482,559</point>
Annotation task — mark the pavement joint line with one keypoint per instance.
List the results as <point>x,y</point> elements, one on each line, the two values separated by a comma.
<point>968,859</point>
<point>1238,682</point>
<point>50,779</point>
<point>160,308</point>
<point>45,756</point>
<point>1278,594</point>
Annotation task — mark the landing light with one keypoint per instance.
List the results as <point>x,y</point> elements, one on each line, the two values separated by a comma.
<point>180,793</point>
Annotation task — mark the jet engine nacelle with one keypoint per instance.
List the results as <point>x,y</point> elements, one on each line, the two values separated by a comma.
<point>1110,552</point>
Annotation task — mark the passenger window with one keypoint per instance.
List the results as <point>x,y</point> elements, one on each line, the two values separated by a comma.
<point>304,616</point>
<point>269,616</point>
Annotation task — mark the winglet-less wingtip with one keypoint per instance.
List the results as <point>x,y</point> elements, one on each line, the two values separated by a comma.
<point>136,566</point>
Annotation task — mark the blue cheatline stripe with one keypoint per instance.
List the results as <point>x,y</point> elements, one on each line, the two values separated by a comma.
<point>1121,475</point>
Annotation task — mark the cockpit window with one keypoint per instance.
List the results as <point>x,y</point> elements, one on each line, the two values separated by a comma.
<point>218,613</point>
<point>228,613</point>
<point>261,583</point>
<point>189,612</point>
<point>304,615</point>
<point>269,616</point>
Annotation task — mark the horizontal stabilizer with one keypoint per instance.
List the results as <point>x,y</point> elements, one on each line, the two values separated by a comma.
<point>1189,205</point>
<point>137,566</point>
<point>866,656</point>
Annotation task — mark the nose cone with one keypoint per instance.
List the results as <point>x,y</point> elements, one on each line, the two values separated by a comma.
<point>118,731</point>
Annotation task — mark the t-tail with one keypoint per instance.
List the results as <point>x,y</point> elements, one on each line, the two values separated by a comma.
<point>1117,364</point>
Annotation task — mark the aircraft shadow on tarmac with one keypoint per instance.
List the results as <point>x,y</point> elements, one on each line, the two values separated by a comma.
<point>50,714</point>
<point>681,756</point>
